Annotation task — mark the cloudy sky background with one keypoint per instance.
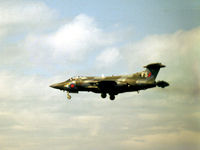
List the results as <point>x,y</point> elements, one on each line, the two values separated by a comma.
<point>43,42</point>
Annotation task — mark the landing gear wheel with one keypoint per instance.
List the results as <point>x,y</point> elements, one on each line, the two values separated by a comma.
<point>103,95</point>
<point>68,96</point>
<point>112,97</point>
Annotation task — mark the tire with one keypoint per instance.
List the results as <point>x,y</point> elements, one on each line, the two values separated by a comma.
<point>112,97</point>
<point>103,95</point>
<point>69,97</point>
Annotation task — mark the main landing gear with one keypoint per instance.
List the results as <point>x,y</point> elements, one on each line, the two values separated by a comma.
<point>112,96</point>
<point>68,96</point>
<point>103,95</point>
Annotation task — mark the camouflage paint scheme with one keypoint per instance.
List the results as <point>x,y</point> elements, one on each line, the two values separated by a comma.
<point>114,85</point>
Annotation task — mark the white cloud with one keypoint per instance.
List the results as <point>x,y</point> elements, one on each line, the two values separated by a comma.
<point>71,42</point>
<point>20,15</point>
<point>81,33</point>
<point>108,58</point>
<point>176,140</point>
<point>165,48</point>
<point>22,12</point>
<point>19,87</point>
<point>179,51</point>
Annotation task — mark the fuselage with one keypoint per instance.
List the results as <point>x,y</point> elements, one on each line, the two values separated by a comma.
<point>123,83</point>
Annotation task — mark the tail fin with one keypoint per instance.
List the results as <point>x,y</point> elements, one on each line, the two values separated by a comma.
<point>153,70</point>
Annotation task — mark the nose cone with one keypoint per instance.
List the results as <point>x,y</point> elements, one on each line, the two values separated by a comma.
<point>56,86</point>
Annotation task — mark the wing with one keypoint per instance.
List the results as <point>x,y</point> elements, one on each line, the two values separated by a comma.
<point>107,86</point>
<point>110,86</point>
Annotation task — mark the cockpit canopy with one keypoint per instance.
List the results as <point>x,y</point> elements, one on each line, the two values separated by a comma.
<point>73,78</point>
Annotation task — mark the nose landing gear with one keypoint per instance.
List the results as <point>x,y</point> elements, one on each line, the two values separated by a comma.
<point>68,96</point>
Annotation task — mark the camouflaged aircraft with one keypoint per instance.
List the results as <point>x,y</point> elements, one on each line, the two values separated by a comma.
<point>114,85</point>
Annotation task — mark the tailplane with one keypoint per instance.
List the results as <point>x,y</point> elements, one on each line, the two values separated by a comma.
<point>162,84</point>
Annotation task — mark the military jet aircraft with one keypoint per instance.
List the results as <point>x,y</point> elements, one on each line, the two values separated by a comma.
<point>114,85</point>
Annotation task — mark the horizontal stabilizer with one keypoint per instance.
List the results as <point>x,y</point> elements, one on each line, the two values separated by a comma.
<point>154,65</point>
<point>162,84</point>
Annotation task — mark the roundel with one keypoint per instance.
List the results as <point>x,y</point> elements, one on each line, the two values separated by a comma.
<point>72,85</point>
<point>149,74</point>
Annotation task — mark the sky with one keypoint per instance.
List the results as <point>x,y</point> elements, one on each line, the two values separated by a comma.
<point>45,41</point>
